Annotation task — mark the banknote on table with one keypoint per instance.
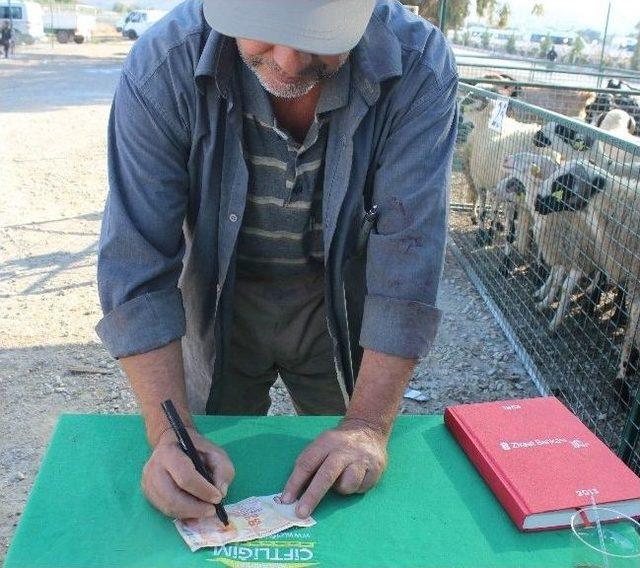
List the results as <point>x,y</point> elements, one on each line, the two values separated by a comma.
<point>250,519</point>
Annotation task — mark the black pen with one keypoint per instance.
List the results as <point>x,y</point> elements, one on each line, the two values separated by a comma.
<point>188,448</point>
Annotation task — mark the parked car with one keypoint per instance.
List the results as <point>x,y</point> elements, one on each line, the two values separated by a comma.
<point>70,22</point>
<point>26,18</point>
<point>139,21</point>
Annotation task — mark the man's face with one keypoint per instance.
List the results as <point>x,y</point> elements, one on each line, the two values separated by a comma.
<point>285,72</point>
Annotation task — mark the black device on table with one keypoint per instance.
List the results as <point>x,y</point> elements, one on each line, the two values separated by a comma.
<point>188,448</point>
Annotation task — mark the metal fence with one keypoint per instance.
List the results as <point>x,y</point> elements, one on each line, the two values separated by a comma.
<point>546,221</point>
<point>549,74</point>
<point>509,59</point>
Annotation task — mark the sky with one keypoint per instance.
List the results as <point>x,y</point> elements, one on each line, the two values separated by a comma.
<point>578,14</point>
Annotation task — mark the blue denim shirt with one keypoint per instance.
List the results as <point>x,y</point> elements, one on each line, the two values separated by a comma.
<point>178,184</point>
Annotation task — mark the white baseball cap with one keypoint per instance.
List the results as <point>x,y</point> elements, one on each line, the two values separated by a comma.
<point>323,27</point>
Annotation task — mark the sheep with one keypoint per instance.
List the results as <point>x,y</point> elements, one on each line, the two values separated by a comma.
<point>511,191</point>
<point>608,205</point>
<point>605,102</point>
<point>571,103</point>
<point>622,125</point>
<point>485,152</point>
<point>563,240</point>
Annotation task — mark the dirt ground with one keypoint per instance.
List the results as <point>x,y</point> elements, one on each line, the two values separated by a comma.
<point>54,104</point>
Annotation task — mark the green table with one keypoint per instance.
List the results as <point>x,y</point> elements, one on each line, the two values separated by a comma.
<point>430,509</point>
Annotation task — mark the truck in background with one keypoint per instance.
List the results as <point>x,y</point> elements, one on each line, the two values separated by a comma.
<point>25,17</point>
<point>70,22</point>
<point>139,21</point>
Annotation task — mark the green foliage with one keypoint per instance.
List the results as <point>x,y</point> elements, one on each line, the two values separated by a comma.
<point>457,11</point>
<point>511,45</point>
<point>486,39</point>
<point>577,49</point>
<point>504,15</point>
<point>545,45</point>
<point>466,38</point>
<point>57,2</point>
<point>120,7</point>
<point>635,58</point>
<point>538,10</point>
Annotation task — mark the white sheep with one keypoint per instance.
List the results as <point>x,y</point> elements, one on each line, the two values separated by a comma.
<point>622,125</point>
<point>609,205</point>
<point>485,152</point>
<point>563,240</point>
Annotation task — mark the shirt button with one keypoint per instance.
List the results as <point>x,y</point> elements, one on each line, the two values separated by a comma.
<point>233,217</point>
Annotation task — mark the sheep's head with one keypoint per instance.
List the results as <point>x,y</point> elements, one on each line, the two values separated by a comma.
<point>557,135</point>
<point>603,103</point>
<point>616,121</point>
<point>571,187</point>
<point>526,174</point>
<point>474,102</point>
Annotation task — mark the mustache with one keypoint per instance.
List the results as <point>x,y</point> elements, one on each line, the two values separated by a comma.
<point>316,71</point>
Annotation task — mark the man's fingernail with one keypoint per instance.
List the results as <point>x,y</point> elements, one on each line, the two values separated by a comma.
<point>223,489</point>
<point>302,511</point>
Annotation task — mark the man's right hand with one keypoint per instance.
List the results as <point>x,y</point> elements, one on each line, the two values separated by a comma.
<point>172,484</point>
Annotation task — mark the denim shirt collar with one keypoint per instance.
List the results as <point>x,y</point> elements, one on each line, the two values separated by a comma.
<point>377,57</point>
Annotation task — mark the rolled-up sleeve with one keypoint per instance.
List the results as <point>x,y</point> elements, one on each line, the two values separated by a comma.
<point>405,255</point>
<point>141,242</point>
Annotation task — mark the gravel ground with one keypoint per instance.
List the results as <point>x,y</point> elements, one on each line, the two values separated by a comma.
<point>55,104</point>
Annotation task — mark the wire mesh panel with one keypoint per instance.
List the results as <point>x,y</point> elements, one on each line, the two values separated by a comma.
<point>537,62</point>
<point>548,74</point>
<point>579,102</point>
<point>546,216</point>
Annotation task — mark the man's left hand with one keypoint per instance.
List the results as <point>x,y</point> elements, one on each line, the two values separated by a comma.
<point>350,458</point>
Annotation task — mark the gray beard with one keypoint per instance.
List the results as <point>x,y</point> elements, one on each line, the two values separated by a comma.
<point>292,90</point>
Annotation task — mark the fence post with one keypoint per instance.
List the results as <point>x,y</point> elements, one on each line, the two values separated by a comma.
<point>631,434</point>
<point>604,45</point>
<point>442,16</point>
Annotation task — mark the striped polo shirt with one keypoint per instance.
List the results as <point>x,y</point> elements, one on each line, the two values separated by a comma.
<point>281,233</point>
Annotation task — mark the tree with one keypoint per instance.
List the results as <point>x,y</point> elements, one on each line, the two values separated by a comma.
<point>545,45</point>
<point>538,10</point>
<point>575,55</point>
<point>120,7</point>
<point>486,39</point>
<point>503,15</point>
<point>457,11</point>
<point>635,58</point>
<point>511,45</point>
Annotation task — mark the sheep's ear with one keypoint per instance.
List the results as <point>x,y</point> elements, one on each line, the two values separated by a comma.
<point>600,119</point>
<point>631,126</point>
<point>536,171</point>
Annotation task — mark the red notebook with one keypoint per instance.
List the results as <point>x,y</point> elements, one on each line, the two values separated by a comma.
<point>541,462</point>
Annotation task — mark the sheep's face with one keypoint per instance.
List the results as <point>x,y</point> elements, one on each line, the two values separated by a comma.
<point>554,135</point>
<point>527,174</point>
<point>570,188</point>
<point>510,189</point>
<point>604,102</point>
<point>474,102</point>
<point>616,120</point>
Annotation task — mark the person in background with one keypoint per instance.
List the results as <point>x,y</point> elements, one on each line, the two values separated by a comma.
<point>6,39</point>
<point>552,55</point>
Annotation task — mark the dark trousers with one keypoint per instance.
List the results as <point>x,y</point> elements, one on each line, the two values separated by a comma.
<point>280,329</point>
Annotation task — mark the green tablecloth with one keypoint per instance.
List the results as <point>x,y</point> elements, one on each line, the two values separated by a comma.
<point>430,509</point>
